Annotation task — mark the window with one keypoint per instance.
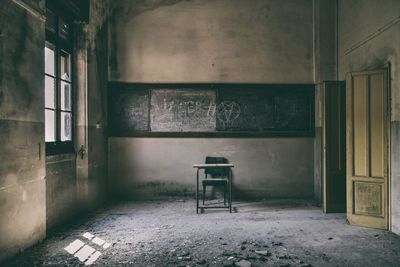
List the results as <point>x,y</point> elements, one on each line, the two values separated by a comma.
<point>58,85</point>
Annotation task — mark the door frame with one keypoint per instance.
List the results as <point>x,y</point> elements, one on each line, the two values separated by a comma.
<point>331,207</point>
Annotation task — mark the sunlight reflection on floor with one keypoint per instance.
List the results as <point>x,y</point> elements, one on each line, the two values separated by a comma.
<point>86,253</point>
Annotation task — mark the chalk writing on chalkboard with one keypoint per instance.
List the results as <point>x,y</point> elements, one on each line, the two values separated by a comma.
<point>228,112</point>
<point>184,110</point>
<point>260,110</point>
<point>129,111</point>
<point>211,110</point>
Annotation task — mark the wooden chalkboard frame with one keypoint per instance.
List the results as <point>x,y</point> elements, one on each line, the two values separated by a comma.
<point>308,90</point>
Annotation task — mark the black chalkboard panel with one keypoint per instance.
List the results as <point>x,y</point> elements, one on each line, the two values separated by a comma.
<point>128,111</point>
<point>182,110</point>
<point>214,110</point>
<point>275,108</point>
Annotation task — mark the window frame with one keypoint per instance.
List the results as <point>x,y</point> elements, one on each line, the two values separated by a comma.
<point>60,44</point>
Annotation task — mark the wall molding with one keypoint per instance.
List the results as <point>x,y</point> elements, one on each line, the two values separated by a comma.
<point>387,26</point>
<point>35,11</point>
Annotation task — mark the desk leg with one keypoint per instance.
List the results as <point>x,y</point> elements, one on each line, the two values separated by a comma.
<point>197,192</point>
<point>230,190</point>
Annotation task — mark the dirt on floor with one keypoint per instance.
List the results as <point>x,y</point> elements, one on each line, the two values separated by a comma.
<point>170,233</point>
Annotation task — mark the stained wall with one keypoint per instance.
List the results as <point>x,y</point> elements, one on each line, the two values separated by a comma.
<point>261,41</point>
<point>369,39</point>
<point>22,154</point>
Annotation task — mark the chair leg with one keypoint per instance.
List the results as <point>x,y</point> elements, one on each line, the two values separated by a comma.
<point>224,195</point>
<point>204,194</point>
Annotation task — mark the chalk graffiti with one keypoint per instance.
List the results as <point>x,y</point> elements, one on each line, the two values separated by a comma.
<point>227,112</point>
<point>188,108</point>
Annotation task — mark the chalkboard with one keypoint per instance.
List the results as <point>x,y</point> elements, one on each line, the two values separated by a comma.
<point>128,111</point>
<point>183,110</point>
<point>270,109</point>
<point>216,110</point>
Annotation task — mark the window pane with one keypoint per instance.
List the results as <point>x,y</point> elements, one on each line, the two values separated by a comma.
<point>50,133</point>
<point>64,28</point>
<point>65,66</point>
<point>49,92</point>
<point>49,60</point>
<point>65,96</point>
<point>66,126</point>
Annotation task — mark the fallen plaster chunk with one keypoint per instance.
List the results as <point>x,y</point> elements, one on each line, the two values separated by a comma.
<point>88,235</point>
<point>106,245</point>
<point>74,246</point>
<point>263,252</point>
<point>93,258</point>
<point>98,241</point>
<point>84,253</point>
<point>243,263</point>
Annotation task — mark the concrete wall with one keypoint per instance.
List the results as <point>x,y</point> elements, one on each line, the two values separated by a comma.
<point>369,38</point>
<point>60,188</point>
<point>38,192</point>
<point>265,167</point>
<point>97,102</point>
<point>325,69</point>
<point>260,41</point>
<point>75,184</point>
<point>22,156</point>
<point>266,41</point>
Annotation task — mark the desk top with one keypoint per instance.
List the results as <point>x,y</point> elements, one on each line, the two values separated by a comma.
<point>222,165</point>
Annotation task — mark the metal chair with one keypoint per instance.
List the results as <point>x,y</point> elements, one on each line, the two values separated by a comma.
<point>218,177</point>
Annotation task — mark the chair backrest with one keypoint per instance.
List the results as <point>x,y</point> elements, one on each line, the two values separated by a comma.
<point>216,172</point>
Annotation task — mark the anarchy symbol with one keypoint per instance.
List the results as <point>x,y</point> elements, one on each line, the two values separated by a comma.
<point>228,111</point>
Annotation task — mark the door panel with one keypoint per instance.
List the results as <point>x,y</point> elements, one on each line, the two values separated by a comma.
<point>367,148</point>
<point>334,184</point>
<point>360,108</point>
<point>377,127</point>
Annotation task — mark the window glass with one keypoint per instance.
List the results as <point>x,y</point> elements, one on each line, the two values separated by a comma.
<point>65,96</point>
<point>50,134</point>
<point>58,89</point>
<point>49,65</point>
<point>66,126</point>
<point>49,85</point>
<point>65,66</point>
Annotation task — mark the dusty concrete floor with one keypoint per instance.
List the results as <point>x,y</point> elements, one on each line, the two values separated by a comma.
<point>170,233</point>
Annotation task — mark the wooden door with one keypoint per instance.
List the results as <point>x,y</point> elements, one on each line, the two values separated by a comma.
<point>367,148</point>
<point>334,184</point>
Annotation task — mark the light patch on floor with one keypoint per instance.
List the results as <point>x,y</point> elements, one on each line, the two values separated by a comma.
<point>93,258</point>
<point>106,245</point>
<point>98,241</point>
<point>74,246</point>
<point>88,235</point>
<point>84,252</point>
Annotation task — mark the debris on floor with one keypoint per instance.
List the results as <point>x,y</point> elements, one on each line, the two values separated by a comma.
<point>170,233</point>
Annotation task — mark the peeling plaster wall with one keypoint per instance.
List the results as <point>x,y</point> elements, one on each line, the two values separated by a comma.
<point>22,160</point>
<point>76,184</point>
<point>38,192</point>
<point>325,62</point>
<point>232,41</point>
<point>97,104</point>
<point>369,38</point>
<point>91,130</point>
